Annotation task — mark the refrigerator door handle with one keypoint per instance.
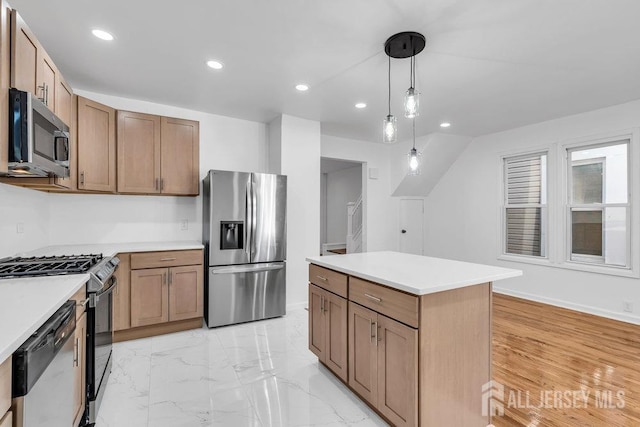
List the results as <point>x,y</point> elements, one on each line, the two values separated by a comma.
<point>247,219</point>
<point>246,268</point>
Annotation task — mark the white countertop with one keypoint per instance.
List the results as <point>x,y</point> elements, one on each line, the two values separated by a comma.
<point>416,274</point>
<point>25,304</point>
<point>111,249</point>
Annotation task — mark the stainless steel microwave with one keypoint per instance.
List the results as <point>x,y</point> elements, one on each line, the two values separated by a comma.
<point>38,139</point>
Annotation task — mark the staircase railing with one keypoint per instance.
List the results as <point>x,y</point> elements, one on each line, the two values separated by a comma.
<point>354,226</point>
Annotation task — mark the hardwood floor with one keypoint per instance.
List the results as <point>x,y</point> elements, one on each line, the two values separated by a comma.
<point>540,348</point>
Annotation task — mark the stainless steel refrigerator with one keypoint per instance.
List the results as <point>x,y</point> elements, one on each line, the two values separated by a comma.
<point>245,238</point>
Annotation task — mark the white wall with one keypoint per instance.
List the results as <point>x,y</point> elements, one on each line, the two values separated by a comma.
<point>225,143</point>
<point>462,216</point>
<point>30,209</point>
<point>343,186</point>
<point>381,219</point>
<point>323,209</point>
<point>300,161</point>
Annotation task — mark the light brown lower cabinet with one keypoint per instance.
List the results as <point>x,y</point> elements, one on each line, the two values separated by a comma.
<point>5,389</point>
<point>158,292</point>
<point>79,369</point>
<point>383,364</point>
<point>7,420</point>
<point>149,297</point>
<point>417,360</point>
<point>328,329</point>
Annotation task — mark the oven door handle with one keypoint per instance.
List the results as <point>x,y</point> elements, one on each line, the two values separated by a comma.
<point>114,283</point>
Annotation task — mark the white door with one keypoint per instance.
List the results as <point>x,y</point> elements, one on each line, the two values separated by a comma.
<point>411,226</point>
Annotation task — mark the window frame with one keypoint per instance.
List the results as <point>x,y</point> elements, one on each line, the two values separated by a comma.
<point>582,263</point>
<point>572,206</point>
<point>558,225</point>
<point>545,208</point>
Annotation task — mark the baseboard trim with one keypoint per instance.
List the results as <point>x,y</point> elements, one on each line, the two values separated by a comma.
<point>160,329</point>
<point>622,317</point>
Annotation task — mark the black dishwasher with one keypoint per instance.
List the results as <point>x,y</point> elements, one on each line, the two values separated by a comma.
<point>42,385</point>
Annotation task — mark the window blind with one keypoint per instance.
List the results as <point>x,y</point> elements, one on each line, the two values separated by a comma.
<point>523,204</point>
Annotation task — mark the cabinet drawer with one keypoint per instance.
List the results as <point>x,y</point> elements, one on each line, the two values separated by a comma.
<point>328,279</point>
<point>165,259</point>
<point>80,298</point>
<point>390,302</point>
<point>5,386</point>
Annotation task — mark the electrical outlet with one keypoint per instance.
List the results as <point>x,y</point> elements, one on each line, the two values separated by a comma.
<point>184,224</point>
<point>20,228</point>
<point>627,306</point>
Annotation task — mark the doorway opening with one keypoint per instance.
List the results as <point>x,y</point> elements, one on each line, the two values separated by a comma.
<point>342,206</point>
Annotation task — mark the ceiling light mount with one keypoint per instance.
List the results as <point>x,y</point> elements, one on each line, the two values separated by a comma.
<point>405,44</point>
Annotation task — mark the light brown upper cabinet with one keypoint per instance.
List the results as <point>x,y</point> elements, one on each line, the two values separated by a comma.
<point>180,157</point>
<point>96,146</point>
<point>5,80</point>
<point>157,155</point>
<point>32,69</point>
<point>138,153</point>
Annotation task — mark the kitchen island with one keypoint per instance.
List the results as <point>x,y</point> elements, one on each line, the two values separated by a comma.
<point>411,335</point>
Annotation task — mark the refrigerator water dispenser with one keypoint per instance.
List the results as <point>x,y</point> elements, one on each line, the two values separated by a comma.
<point>231,235</point>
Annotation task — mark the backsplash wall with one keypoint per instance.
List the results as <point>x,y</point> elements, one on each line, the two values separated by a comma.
<point>25,209</point>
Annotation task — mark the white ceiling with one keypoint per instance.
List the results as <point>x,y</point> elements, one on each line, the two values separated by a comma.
<point>489,65</point>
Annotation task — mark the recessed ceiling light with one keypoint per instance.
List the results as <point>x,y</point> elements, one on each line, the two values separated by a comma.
<point>214,64</point>
<point>103,35</point>
<point>445,124</point>
<point>361,105</point>
<point>302,87</point>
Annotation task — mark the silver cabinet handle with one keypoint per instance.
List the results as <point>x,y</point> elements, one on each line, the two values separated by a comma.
<point>43,88</point>
<point>167,259</point>
<point>46,94</point>
<point>324,279</point>
<point>82,178</point>
<point>321,304</point>
<point>371,330</point>
<point>376,326</point>
<point>76,352</point>
<point>376,299</point>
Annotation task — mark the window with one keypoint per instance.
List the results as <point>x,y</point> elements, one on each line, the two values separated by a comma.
<point>525,205</point>
<point>599,204</point>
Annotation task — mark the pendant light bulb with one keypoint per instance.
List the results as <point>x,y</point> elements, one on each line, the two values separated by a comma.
<point>390,129</point>
<point>413,160</point>
<point>411,103</point>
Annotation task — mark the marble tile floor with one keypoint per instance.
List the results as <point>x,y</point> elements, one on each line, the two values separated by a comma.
<point>253,374</point>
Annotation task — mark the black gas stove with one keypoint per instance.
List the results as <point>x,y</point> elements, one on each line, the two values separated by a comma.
<point>47,265</point>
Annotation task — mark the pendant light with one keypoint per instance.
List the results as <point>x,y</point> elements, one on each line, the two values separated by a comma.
<point>412,96</point>
<point>414,155</point>
<point>390,124</point>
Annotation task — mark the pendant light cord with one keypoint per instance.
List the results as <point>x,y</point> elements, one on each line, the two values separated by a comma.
<point>414,132</point>
<point>389,85</point>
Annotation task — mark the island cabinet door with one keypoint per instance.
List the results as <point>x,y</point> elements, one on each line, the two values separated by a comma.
<point>363,354</point>
<point>317,329</point>
<point>397,372</point>
<point>336,333</point>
